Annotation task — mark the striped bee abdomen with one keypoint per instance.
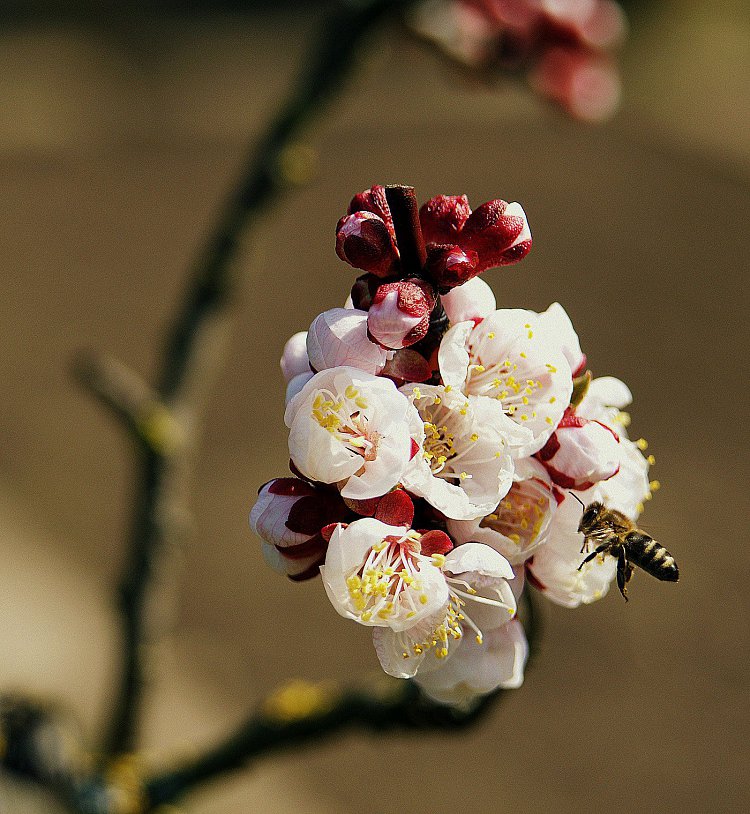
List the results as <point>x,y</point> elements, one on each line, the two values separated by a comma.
<point>653,558</point>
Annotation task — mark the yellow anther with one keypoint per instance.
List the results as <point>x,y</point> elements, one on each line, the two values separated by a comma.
<point>361,403</point>
<point>654,485</point>
<point>475,436</point>
<point>491,335</point>
<point>438,560</point>
<point>423,599</point>
<point>448,388</point>
<point>549,420</point>
<point>530,334</point>
<point>351,392</point>
<point>551,368</point>
<point>651,460</point>
<point>642,444</point>
<point>525,399</point>
<point>479,638</point>
<point>417,393</point>
<point>464,475</point>
<point>522,355</point>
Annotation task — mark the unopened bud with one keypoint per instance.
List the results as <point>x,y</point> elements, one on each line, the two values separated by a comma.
<point>364,241</point>
<point>498,232</point>
<point>451,266</point>
<point>399,314</point>
<point>294,359</point>
<point>580,453</point>
<point>339,337</point>
<point>443,217</point>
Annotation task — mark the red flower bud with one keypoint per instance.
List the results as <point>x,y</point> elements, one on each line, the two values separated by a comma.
<point>364,241</point>
<point>443,217</point>
<point>373,200</point>
<point>498,232</point>
<point>450,266</point>
<point>399,314</point>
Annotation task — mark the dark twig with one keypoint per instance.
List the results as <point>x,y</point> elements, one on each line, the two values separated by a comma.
<point>131,400</point>
<point>207,299</point>
<point>405,214</point>
<point>405,708</point>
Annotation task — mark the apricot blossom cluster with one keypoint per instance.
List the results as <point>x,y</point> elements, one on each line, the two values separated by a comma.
<point>563,47</point>
<point>435,441</point>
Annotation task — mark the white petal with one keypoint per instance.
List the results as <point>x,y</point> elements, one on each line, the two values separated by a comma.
<point>475,558</point>
<point>607,391</point>
<point>559,331</point>
<point>477,669</point>
<point>338,337</point>
<point>294,358</point>
<point>296,384</point>
<point>472,300</point>
<point>453,356</point>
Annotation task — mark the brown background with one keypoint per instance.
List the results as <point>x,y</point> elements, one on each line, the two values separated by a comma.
<point>119,140</point>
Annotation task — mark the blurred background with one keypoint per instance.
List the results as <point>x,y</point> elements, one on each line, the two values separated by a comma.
<point>122,129</point>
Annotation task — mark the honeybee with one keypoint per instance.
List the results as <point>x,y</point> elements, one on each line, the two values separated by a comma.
<point>611,532</point>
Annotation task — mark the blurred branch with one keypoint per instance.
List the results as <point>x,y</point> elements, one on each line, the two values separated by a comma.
<point>303,713</point>
<point>187,360</point>
<point>131,400</point>
<point>39,744</point>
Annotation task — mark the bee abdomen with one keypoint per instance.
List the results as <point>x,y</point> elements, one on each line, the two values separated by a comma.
<point>653,558</point>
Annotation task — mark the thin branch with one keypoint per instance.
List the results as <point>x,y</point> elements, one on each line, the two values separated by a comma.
<point>36,741</point>
<point>323,714</point>
<point>131,400</point>
<point>162,478</point>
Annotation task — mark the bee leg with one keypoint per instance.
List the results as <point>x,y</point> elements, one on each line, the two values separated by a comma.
<point>624,572</point>
<point>602,549</point>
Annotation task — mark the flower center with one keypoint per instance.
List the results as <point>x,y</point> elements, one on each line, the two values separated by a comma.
<point>444,444</point>
<point>520,515</point>
<point>346,420</point>
<point>388,584</point>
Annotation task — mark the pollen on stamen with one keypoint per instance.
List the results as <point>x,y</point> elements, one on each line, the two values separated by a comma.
<point>651,459</point>
<point>642,444</point>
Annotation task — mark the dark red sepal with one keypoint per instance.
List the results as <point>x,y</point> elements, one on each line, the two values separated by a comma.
<point>435,541</point>
<point>395,509</point>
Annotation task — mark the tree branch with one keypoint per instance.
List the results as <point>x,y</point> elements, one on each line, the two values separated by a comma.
<point>162,479</point>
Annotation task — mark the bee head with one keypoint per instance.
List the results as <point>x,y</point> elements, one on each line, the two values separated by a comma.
<point>590,515</point>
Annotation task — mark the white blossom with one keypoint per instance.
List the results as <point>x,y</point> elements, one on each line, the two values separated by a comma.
<point>464,466</point>
<point>353,429</point>
<point>511,358</point>
<point>520,522</point>
<point>476,669</point>
<point>480,599</point>
<point>554,567</point>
